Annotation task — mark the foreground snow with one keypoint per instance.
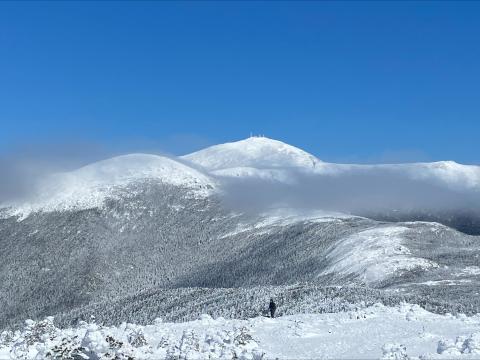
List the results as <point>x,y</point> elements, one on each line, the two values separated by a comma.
<point>374,332</point>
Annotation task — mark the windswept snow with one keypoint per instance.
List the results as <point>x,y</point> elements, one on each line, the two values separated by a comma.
<point>285,216</point>
<point>279,175</point>
<point>89,186</point>
<point>270,159</point>
<point>444,282</point>
<point>261,160</point>
<point>254,152</point>
<point>374,255</point>
<point>469,270</point>
<point>369,333</point>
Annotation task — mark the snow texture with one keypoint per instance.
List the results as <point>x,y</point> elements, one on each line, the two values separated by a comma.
<point>254,152</point>
<point>402,332</point>
<point>89,186</point>
<point>374,255</point>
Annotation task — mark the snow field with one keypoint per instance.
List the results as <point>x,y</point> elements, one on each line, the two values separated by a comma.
<point>402,332</point>
<point>374,254</point>
<point>253,152</point>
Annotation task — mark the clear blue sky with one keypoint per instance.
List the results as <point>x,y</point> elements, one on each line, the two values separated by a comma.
<point>351,81</point>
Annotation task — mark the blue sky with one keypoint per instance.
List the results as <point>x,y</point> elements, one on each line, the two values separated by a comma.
<point>347,81</point>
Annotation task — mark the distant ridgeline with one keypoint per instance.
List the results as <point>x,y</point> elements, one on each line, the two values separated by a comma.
<point>467,222</point>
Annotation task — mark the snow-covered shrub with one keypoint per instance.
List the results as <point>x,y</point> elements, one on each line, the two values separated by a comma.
<point>6,338</point>
<point>95,342</point>
<point>472,344</point>
<point>186,347</point>
<point>68,348</point>
<point>450,347</point>
<point>461,345</point>
<point>394,351</point>
<point>242,336</point>
<point>36,331</point>
<point>137,338</point>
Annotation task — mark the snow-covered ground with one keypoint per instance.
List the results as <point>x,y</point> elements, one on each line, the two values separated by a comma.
<point>287,216</point>
<point>374,254</point>
<point>253,152</point>
<point>373,332</point>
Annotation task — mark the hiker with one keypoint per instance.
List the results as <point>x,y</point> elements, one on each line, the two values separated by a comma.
<point>272,307</point>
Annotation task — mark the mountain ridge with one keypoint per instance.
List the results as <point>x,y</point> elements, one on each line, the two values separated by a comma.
<point>210,170</point>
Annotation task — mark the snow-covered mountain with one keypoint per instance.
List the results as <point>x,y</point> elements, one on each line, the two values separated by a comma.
<point>261,159</point>
<point>90,186</point>
<point>268,158</point>
<point>256,212</point>
<point>254,152</point>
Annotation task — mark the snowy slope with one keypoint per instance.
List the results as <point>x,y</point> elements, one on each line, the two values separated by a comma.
<point>268,175</point>
<point>369,333</point>
<point>254,152</point>
<point>374,255</point>
<point>89,186</point>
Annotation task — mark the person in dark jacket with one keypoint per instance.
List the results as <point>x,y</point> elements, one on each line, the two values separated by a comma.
<point>272,307</point>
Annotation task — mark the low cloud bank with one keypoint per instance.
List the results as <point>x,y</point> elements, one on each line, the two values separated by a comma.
<point>22,168</point>
<point>354,192</point>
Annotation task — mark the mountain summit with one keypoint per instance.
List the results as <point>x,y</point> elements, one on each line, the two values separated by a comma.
<point>256,152</point>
